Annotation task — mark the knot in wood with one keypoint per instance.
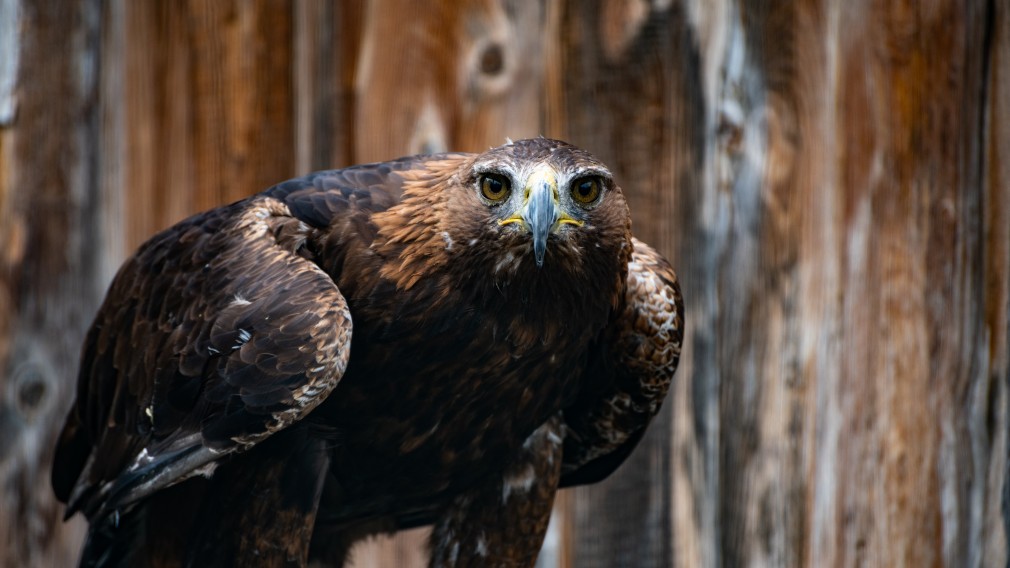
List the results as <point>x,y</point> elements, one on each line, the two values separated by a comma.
<point>492,59</point>
<point>31,390</point>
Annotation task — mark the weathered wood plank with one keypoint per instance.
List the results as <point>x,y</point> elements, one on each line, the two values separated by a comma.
<point>50,220</point>
<point>990,404</point>
<point>764,399</point>
<point>856,404</point>
<point>447,75</point>
<point>327,45</point>
<point>209,106</point>
<point>907,239</point>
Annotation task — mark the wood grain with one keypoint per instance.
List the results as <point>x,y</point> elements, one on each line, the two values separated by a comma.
<point>326,53</point>
<point>994,524</point>
<point>832,183</point>
<point>908,270</point>
<point>209,106</point>
<point>50,216</point>
<point>462,76</point>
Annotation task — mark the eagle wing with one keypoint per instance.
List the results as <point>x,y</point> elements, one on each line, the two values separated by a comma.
<point>636,365</point>
<point>217,333</point>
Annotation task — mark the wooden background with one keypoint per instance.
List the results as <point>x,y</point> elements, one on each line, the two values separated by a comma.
<point>831,180</point>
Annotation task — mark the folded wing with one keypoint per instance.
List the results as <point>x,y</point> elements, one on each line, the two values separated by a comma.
<point>217,333</point>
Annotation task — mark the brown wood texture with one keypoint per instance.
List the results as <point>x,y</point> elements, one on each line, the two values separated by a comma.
<point>830,179</point>
<point>50,217</point>
<point>445,75</point>
<point>209,105</point>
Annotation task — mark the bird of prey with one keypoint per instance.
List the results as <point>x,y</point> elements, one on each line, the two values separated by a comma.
<point>436,340</point>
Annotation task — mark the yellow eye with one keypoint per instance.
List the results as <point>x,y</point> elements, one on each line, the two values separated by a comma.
<point>495,187</point>
<point>586,190</point>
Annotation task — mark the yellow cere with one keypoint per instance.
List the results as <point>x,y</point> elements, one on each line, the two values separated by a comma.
<point>512,219</point>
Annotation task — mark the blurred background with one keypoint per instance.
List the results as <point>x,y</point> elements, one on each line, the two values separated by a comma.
<point>830,179</point>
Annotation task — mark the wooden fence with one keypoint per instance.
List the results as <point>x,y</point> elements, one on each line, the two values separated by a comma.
<point>831,180</point>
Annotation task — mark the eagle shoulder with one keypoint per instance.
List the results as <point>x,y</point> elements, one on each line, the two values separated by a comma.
<point>638,361</point>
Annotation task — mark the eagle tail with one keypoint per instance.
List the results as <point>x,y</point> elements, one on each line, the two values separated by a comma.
<point>152,532</point>
<point>148,475</point>
<point>112,541</point>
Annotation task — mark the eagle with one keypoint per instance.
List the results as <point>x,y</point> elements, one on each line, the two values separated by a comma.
<point>439,340</point>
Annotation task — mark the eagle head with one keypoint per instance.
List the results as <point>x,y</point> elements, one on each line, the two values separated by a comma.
<point>538,215</point>
<point>544,200</point>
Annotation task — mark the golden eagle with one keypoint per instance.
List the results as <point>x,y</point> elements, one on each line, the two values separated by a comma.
<point>443,339</point>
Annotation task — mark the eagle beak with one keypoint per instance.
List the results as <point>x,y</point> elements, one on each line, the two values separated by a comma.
<point>541,213</point>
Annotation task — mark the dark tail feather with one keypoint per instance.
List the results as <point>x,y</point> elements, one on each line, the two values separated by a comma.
<point>153,532</point>
<point>113,541</point>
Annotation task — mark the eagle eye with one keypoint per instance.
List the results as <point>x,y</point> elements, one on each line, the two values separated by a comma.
<point>495,187</point>
<point>586,190</point>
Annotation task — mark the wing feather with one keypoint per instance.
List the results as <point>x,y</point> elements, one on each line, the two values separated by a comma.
<point>216,334</point>
<point>638,364</point>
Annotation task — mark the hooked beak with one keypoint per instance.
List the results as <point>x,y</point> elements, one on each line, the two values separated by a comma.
<point>541,212</point>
